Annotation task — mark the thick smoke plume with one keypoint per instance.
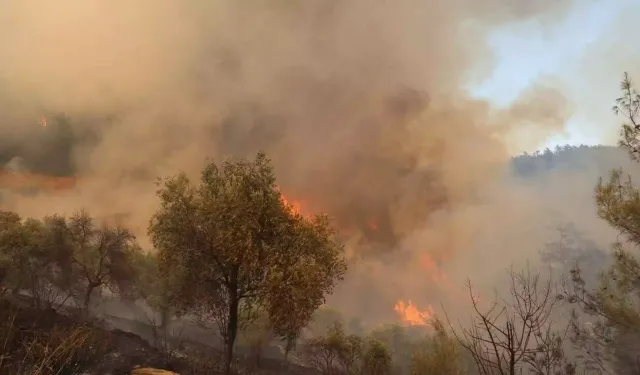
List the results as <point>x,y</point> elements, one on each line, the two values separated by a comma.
<point>360,104</point>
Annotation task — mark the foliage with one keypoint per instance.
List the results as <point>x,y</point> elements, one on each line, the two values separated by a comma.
<point>152,287</point>
<point>438,355</point>
<point>55,258</point>
<point>323,352</point>
<point>397,341</point>
<point>376,359</point>
<point>336,352</point>
<point>33,261</point>
<point>236,248</point>
<point>101,257</point>
<point>609,332</point>
<point>322,319</point>
<point>628,105</point>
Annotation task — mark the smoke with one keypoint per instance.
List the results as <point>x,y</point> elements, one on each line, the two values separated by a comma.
<point>360,104</point>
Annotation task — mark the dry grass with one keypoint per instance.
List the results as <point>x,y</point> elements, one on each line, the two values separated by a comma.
<point>151,371</point>
<point>57,350</point>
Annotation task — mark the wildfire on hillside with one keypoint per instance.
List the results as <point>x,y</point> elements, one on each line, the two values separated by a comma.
<point>408,313</point>
<point>368,230</point>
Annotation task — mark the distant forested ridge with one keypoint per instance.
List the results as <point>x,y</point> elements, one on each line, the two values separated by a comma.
<point>50,150</point>
<point>589,159</point>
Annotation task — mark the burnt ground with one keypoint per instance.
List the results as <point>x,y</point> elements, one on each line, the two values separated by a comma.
<point>121,351</point>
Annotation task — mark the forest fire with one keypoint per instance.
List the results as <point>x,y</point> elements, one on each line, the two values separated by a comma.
<point>410,315</point>
<point>430,264</point>
<point>294,205</point>
<point>407,311</point>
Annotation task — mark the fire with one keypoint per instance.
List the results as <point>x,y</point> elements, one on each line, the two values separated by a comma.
<point>411,315</point>
<point>408,312</point>
<point>295,206</point>
<point>43,121</point>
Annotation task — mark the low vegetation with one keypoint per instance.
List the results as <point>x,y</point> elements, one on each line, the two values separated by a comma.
<point>249,271</point>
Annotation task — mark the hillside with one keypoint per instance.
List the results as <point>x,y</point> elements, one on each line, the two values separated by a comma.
<point>598,160</point>
<point>539,196</point>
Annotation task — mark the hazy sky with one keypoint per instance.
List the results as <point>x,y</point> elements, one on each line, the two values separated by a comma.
<point>527,51</point>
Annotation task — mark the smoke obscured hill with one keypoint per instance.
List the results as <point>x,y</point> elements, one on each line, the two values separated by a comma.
<point>508,222</point>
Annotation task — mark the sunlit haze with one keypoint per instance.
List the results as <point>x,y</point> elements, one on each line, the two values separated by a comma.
<point>527,51</point>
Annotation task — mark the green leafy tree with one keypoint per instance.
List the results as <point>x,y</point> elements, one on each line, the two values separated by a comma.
<point>34,260</point>
<point>397,341</point>
<point>608,332</point>
<point>323,352</point>
<point>8,220</point>
<point>628,105</point>
<point>376,359</point>
<point>237,248</point>
<point>351,354</point>
<point>335,352</point>
<point>98,256</point>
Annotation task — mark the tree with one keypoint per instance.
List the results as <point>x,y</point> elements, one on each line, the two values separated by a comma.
<point>5,266</point>
<point>257,336</point>
<point>324,352</point>
<point>628,105</point>
<point>33,261</point>
<point>376,359</point>
<point>237,247</point>
<point>101,256</point>
<point>439,355</point>
<point>153,288</point>
<point>397,341</point>
<point>609,331</point>
<point>322,319</point>
<point>509,336</point>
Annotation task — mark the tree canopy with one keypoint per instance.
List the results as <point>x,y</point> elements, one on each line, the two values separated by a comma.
<point>236,248</point>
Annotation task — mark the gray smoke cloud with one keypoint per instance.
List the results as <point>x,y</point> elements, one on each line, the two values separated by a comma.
<point>360,104</point>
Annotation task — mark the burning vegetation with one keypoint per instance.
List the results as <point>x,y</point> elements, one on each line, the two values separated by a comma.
<point>385,165</point>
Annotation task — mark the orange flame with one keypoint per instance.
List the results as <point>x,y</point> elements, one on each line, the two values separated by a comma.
<point>43,121</point>
<point>411,315</point>
<point>294,206</point>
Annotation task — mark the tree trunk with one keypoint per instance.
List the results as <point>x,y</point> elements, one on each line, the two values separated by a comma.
<point>232,324</point>
<point>87,298</point>
<point>164,322</point>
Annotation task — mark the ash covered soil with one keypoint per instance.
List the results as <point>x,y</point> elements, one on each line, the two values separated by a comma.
<point>115,351</point>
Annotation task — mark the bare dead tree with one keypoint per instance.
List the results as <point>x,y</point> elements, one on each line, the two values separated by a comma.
<point>511,335</point>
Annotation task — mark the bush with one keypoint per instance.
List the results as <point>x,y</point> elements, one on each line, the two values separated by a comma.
<point>57,350</point>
